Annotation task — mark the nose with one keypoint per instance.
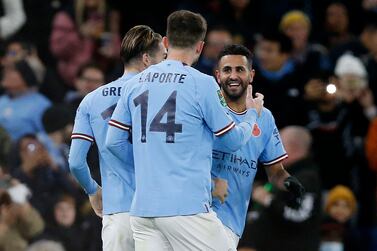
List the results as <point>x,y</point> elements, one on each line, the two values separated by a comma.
<point>233,75</point>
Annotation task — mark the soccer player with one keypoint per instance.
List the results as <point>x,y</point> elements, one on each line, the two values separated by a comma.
<point>174,110</point>
<point>238,168</point>
<point>140,48</point>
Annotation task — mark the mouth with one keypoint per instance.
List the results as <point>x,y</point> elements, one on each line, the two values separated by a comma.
<point>233,84</point>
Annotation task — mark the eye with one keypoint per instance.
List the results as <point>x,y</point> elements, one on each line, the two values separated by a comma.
<point>240,69</point>
<point>227,69</point>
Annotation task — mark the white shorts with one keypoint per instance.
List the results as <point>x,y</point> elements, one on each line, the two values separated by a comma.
<point>232,236</point>
<point>202,232</point>
<point>117,233</point>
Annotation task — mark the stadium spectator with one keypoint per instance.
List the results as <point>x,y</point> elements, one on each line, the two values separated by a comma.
<point>100,23</point>
<point>70,49</point>
<point>309,57</point>
<point>65,228</point>
<point>58,123</point>
<point>89,77</point>
<point>337,230</point>
<point>216,39</point>
<point>21,108</point>
<point>336,25</point>
<point>49,83</point>
<point>279,78</point>
<point>19,222</point>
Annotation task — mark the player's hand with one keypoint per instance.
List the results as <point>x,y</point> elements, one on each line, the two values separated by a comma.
<point>296,191</point>
<point>220,190</point>
<point>96,202</point>
<point>257,102</point>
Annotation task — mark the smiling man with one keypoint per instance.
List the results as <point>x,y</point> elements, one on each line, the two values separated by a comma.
<point>238,168</point>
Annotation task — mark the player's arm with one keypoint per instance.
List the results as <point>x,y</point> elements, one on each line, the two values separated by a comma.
<point>119,129</point>
<point>82,139</point>
<point>296,205</point>
<point>277,175</point>
<point>271,157</point>
<point>212,105</point>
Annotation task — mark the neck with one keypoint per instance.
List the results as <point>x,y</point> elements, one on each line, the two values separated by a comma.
<point>186,56</point>
<point>238,105</point>
<point>133,68</point>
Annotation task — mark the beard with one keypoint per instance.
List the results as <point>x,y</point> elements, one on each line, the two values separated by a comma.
<point>234,93</point>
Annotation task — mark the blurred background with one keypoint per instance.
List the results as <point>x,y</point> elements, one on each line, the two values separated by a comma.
<point>315,62</point>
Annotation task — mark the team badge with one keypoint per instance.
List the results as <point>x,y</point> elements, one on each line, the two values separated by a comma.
<point>256,131</point>
<point>222,99</point>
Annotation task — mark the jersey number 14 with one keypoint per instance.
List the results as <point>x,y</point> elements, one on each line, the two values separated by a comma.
<point>170,127</point>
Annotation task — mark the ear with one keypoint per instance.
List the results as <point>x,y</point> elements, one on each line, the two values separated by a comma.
<point>217,74</point>
<point>165,42</point>
<point>199,47</point>
<point>252,74</point>
<point>146,59</point>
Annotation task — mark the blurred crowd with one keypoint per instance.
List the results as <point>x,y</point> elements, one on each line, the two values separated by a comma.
<point>315,63</point>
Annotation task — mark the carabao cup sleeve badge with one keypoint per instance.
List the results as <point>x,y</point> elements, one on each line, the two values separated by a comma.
<point>222,99</point>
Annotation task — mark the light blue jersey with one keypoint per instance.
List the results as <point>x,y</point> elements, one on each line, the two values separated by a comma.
<point>173,110</point>
<point>91,124</point>
<point>23,114</point>
<point>239,168</point>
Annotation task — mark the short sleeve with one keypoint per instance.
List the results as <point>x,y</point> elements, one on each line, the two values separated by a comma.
<point>121,117</point>
<point>212,105</point>
<point>82,128</point>
<point>274,150</point>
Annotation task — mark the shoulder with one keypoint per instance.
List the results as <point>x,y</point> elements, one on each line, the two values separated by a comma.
<point>198,74</point>
<point>203,80</point>
<point>266,120</point>
<point>267,113</point>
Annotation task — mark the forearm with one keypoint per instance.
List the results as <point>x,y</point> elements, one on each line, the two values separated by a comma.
<point>117,141</point>
<point>277,175</point>
<point>240,134</point>
<point>79,166</point>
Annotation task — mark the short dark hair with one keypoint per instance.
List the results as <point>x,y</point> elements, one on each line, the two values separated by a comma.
<point>89,65</point>
<point>185,28</point>
<point>236,49</point>
<point>285,43</point>
<point>56,118</point>
<point>26,72</point>
<point>138,40</point>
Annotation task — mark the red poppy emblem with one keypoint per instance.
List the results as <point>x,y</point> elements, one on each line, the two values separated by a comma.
<point>256,132</point>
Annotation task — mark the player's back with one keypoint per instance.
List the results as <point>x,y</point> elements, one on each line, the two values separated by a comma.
<point>117,176</point>
<point>172,139</point>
